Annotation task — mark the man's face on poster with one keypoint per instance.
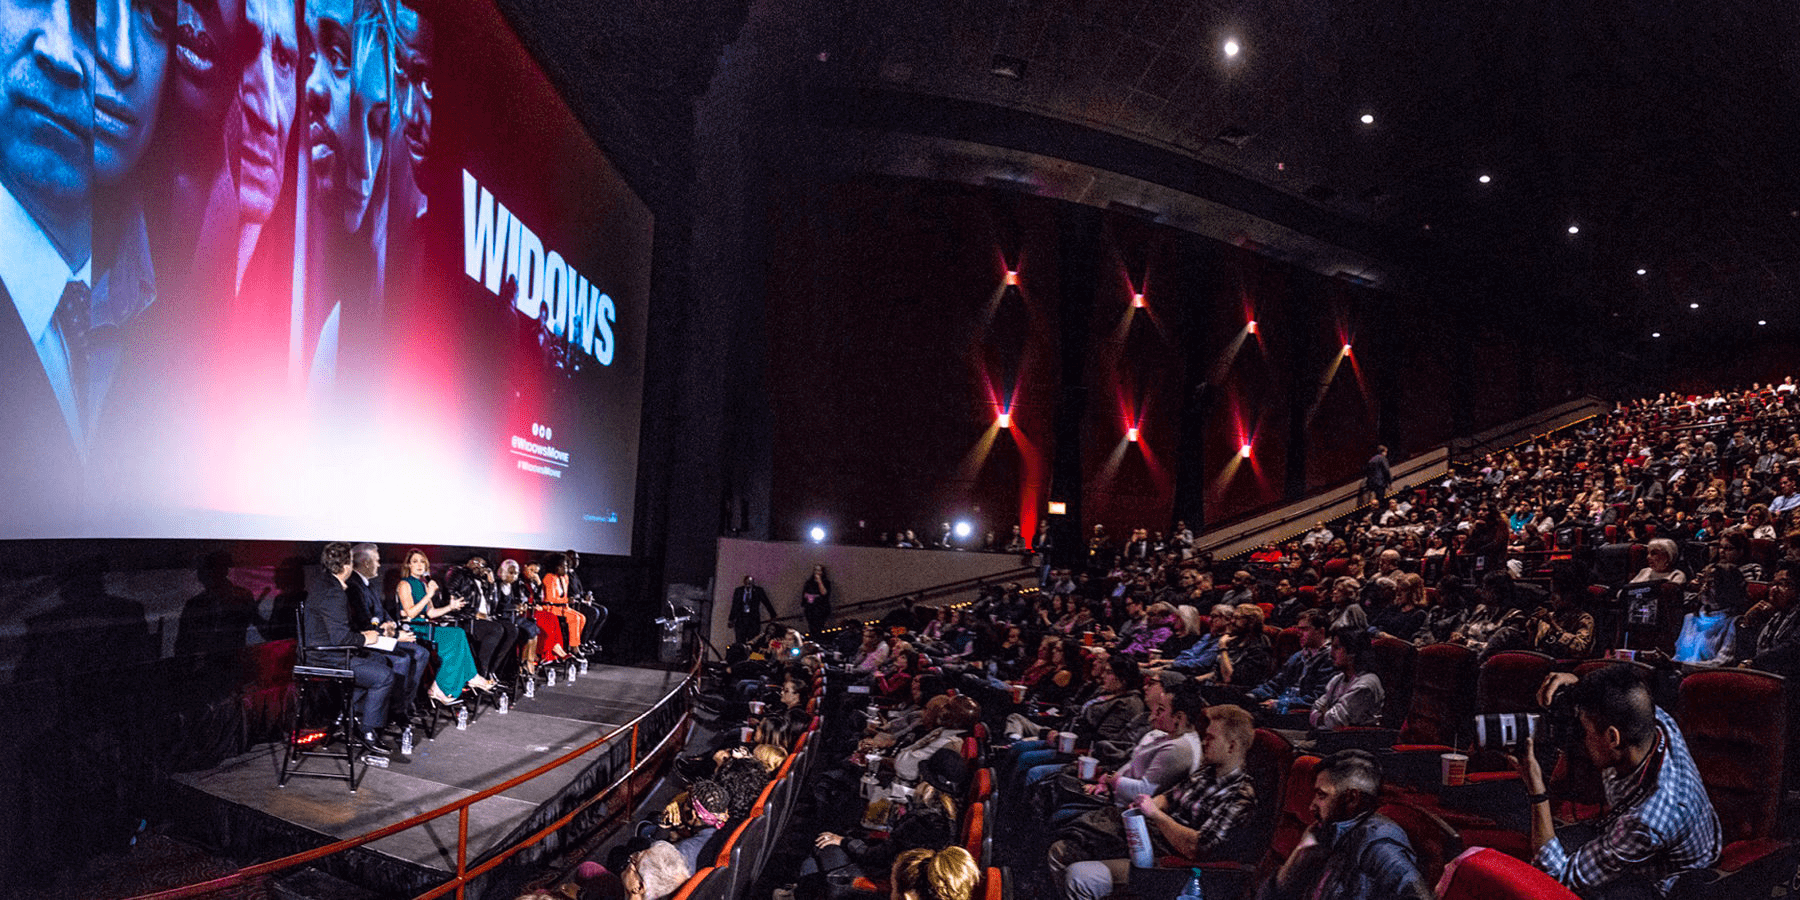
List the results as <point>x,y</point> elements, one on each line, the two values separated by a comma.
<point>265,104</point>
<point>347,99</point>
<point>204,76</point>
<point>413,82</point>
<point>46,122</point>
<point>131,45</point>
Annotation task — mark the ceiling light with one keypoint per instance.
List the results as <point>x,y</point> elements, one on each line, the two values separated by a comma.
<point>1656,334</point>
<point>1346,349</point>
<point>817,534</point>
<point>1137,300</point>
<point>1244,451</point>
<point>1485,179</point>
<point>1367,119</point>
<point>1693,306</point>
<point>1251,327</point>
<point>1231,48</point>
<point>1005,420</point>
<point>1762,321</point>
<point>1012,276</point>
<point>1643,272</point>
<point>1574,229</point>
<point>1131,434</point>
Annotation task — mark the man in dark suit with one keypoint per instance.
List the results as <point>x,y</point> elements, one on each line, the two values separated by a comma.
<point>1376,477</point>
<point>328,618</point>
<point>409,659</point>
<point>747,604</point>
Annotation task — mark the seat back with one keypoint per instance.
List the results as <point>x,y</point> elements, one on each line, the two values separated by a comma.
<point>1482,873</point>
<point>1434,842</point>
<point>1294,815</point>
<point>1391,659</point>
<point>1509,681</point>
<point>1287,643</point>
<point>981,787</point>
<point>993,886</point>
<point>1443,695</point>
<point>709,883</point>
<point>976,836</point>
<point>739,856</point>
<point>1735,724</point>
<point>1270,758</point>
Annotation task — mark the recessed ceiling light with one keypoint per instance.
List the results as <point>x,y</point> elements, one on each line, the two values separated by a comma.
<point>1485,179</point>
<point>1656,334</point>
<point>1762,321</point>
<point>1574,229</point>
<point>1641,272</point>
<point>1231,48</point>
<point>1368,119</point>
<point>1693,306</point>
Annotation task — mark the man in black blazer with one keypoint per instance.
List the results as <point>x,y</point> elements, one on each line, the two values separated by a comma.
<point>328,618</point>
<point>747,604</point>
<point>409,659</point>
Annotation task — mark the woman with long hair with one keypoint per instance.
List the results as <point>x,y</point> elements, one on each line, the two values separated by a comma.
<point>815,600</point>
<point>515,604</point>
<point>418,597</point>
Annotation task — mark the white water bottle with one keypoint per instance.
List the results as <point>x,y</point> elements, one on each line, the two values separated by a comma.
<point>1192,891</point>
<point>504,703</point>
<point>406,741</point>
<point>462,718</point>
<point>531,688</point>
<point>550,677</point>
<point>583,665</point>
<point>572,670</point>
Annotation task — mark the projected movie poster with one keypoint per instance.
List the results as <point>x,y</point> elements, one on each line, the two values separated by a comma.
<point>306,269</point>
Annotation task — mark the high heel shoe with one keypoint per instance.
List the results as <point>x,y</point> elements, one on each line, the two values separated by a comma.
<point>443,700</point>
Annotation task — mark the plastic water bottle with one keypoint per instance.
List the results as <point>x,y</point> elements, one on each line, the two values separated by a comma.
<point>583,664</point>
<point>462,718</point>
<point>504,703</point>
<point>550,677</point>
<point>406,741</point>
<point>1192,891</point>
<point>1289,699</point>
<point>871,787</point>
<point>531,688</point>
<point>572,672</point>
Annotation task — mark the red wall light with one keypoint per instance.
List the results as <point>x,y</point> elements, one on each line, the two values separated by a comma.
<point>1131,434</point>
<point>1012,276</point>
<point>1244,451</point>
<point>1005,420</point>
<point>1251,327</point>
<point>1346,349</point>
<point>1137,300</point>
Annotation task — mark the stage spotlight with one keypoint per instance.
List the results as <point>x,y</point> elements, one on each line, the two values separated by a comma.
<point>1005,420</point>
<point>1244,451</point>
<point>1012,276</point>
<point>1131,434</point>
<point>963,530</point>
<point>817,534</point>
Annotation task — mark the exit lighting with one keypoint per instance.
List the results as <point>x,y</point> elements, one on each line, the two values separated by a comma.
<point>1058,508</point>
<point>1131,434</point>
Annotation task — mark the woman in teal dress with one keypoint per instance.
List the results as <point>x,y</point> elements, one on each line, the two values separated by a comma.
<point>418,605</point>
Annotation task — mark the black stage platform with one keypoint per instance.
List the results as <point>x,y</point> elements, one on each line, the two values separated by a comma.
<point>237,807</point>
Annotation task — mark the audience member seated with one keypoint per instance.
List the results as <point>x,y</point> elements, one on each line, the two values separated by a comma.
<point>1203,656</point>
<point>1564,629</point>
<point>655,872</point>
<point>927,823</point>
<point>1200,818</point>
<point>1351,852</point>
<point>1776,647</point>
<point>1303,677</point>
<point>1660,821</point>
<point>947,874</point>
<point>1662,554</point>
<point>1709,635</point>
<point>1167,754</point>
<point>1352,697</point>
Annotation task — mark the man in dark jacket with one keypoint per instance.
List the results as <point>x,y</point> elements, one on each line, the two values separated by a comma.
<point>1377,477</point>
<point>1351,852</point>
<point>328,624</point>
<point>747,604</point>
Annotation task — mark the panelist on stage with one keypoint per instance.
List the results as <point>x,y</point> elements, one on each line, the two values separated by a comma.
<point>328,618</point>
<point>410,659</point>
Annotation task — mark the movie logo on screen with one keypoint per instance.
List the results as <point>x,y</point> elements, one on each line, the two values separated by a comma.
<point>539,455</point>
<point>502,253</point>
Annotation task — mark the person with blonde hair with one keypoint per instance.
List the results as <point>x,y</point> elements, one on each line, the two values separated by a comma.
<point>947,874</point>
<point>655,872</point>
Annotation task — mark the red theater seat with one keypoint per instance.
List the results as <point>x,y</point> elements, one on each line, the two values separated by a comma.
<point>1735,724</point>
<point>1483,873</point>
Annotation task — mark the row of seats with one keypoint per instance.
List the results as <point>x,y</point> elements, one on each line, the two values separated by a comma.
<point>747,850</point>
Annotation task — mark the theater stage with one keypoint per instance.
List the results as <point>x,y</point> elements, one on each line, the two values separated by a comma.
<point>237,807</point>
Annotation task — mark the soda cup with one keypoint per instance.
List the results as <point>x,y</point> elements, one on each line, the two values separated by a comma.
<point>1456,769</point>
<point>1137,837</point>
<point>745,733</point>
<point>1089,765</point>
<point>756,707</point>
<point>1018,693</point>
<point>1087,639</point>
<point>1065,741</point>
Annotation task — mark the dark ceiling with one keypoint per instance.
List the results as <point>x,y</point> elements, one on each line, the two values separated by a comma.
<point>1665,132</point>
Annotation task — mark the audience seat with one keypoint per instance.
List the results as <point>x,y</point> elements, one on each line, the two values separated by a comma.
<point>1483,873</point>
<point>1270,762</point>
<point>1287,643</point>
<point>710,883</point>
<point>739,857</point>
<point>1443,700</point>
<point>1391,659</point>
<point>1735,725</point>
<point>1434,842</point>
<point>977,835</point>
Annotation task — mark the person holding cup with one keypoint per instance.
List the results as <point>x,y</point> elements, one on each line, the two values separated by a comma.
<point>1167,754</point>
<point>1199,819</point>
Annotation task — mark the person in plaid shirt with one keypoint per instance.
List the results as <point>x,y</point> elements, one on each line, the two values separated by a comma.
<point>1198,818</point>
<point>1659,821</point>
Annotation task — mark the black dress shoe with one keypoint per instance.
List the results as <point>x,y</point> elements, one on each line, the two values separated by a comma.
<point>375,744</point>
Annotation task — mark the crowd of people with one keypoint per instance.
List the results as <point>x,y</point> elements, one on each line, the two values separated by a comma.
<point>1131,680</point>
<point>415,642</point>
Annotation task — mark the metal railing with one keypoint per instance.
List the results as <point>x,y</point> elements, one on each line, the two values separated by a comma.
<point>464,872</point>
<point>934,591</point>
